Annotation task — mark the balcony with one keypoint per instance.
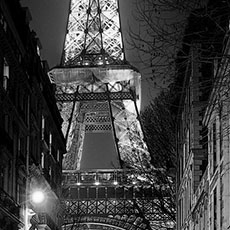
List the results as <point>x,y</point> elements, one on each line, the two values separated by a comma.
<point>9,207</point>
<point>42,219</point>
<point>5,140</point>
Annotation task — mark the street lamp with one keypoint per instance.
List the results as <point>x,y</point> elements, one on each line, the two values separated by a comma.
<point>115,182</point>
<point>37,196</point>
<point>35,199</point>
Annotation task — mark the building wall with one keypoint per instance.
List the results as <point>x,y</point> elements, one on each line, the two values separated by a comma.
<point>203,193</point>
<point>191,152</point>
<point>31,143</point>
<point>217,120</point>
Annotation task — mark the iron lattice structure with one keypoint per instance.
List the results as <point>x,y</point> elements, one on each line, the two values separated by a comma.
<point>93,33</point>
<point>98,95</point>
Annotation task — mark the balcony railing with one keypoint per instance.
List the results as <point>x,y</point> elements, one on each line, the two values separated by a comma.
<point>44,220</point>
<point>6,140</point>
<point>8,205</point>
<point>103,177</point>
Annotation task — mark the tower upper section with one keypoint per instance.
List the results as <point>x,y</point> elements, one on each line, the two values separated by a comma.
<point>97,92</point>
<point>93,35</point>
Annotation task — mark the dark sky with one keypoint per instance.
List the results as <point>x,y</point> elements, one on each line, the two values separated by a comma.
<point>49,20</point>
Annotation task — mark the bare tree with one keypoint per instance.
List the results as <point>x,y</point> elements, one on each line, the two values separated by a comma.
<point>158,121</point>
<point>168,31</point>
<point>162,25</point>
<point>158,37</point>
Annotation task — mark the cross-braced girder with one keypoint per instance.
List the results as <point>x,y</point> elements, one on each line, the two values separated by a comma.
<point>132,148</point>
<point>145,209</point>
<point>98,96</point>
<point>93,35</point>
<point>109,95</point>
<point>104,193</point>
<point>107,223</point>
<point>96,91</point>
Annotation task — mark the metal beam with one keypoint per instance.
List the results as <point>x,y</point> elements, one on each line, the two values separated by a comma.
<point>68,97</point>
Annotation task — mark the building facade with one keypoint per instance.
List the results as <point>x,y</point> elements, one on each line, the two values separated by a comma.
<point>31,143</point>
<point>192,152</point>
<point>203,194</point>
<point>217,120</point>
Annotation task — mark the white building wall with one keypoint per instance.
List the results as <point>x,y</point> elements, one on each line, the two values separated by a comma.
<point>219,178</point>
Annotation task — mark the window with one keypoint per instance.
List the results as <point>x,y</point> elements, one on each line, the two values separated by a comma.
<point>221,197</point>
<point>22,143</point>
<point>6,75</point>
<point>50,140</point>
<point>214,209</point>
<point>1,176</point>
<point>43,127</point>
<point>3,22</point>
<point>38,50</point>
<point>6,123</point>
<point>58,155</point>
<point>43,160</point>
<point>221,136</point>
<point>214,153</point>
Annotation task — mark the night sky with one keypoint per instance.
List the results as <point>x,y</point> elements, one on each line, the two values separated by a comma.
<point>49,20</point>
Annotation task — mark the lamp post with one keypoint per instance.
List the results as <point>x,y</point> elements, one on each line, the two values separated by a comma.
<point>35,194</point>
<point>36,198</point>
<point>43,205</point>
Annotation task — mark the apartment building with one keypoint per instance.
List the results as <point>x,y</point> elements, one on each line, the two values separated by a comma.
<point>203,152</point>
<point>31,143</point>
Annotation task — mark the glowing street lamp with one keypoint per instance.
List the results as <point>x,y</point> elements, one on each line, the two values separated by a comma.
<point>38,197</point>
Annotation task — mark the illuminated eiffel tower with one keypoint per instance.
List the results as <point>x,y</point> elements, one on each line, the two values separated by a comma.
<point>98,95</point>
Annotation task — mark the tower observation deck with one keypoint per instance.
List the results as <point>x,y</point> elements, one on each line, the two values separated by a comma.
<point>98,96</point>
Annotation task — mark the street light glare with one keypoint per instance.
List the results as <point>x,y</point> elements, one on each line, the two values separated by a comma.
<point>38,197</point>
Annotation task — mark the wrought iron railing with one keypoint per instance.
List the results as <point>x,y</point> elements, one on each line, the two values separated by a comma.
<point>102,177</point>
<point>8,204</point>
<point>108,177</point>
<point>42,219</point>
<point>6,140</point>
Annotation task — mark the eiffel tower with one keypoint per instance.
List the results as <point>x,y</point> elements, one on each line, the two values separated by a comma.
<point>98,95</point>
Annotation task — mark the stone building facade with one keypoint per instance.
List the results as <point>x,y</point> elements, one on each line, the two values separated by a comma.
<point>217,120</point>
<point>192,154</point>
<point>203,194</point>
<point>31,143</point>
